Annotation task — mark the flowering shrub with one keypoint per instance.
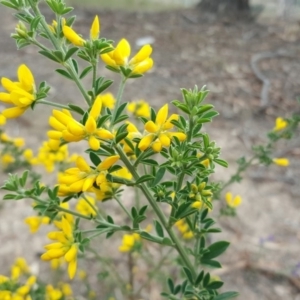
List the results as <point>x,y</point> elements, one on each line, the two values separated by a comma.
<point>167,164</point>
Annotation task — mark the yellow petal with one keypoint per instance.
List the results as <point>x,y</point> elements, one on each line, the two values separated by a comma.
<point>88,183</point>
<point>26,78</point>
<point>8,84</point>
<point>82,165</point>
<point>72,36</point>
<point>53,122</point>
<point>151,127</point>
<point>67,136</point>
<point>63,117</point>
<point>72,268</point>
<point>180,135</point>
<point>237,201</point>
<point>122,52</point>
<point>282,162</point>
<point>96,108</point>
<point>143,54</point>
<point>90,125</point>
<point>95,29</point>
<point>164,139</point>
<point>94,143</point>
<point>66,227</point>
<point>157,146</point>
<point>13,112</point>
<point>109,60</point>
<point>2,120</point>
<point>5,97</point>
<point>145,142</point>
<point>71,254</point>
<point>168,125</point>
<point>104,134</point>
<point>143,66</point>
<point>108,162</point>
<point>76,128</point>
<point>162,114</point>
<point>53,134</point>
<point>228,198</point>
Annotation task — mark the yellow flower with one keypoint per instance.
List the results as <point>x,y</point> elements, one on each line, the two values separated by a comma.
<point>82,178</point>
<point>157,135</point>
<point>233,202</point>
<point>84,208</point>
<point>65,246</point>
<point>106,190</point>
<point>51,153</point>
<point>282,162</point>
<point>7,159</point>
<point>108,100</point>
<point>72,131</point>
<point>129,241</point>
<point>34,222</point>
<point>139,108</point>
<point>20,94</point>
<point>280,124</point>
<point>119,57</point>
<point>19,142</point>
<point>52,293</point>
<point>75,39</point>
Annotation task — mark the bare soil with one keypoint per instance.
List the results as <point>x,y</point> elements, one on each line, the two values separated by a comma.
<point>191,49</point>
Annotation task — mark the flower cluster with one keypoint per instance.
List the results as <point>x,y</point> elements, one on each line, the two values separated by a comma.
<point>64,246</point>
<point>67,128</point>
<point>20,94</point>
<point>130,242</point>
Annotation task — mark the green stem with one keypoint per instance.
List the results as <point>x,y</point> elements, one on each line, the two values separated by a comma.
<point>118,100</point>
<point>92,207</point>
<point>179,247</point>
<point>72,213</point>
<point>237,173</point>
<point>95,65</point>
<point>46,102</point>
<point>123,207</point>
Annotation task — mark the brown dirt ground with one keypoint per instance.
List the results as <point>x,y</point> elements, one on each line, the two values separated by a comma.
<point>189,50</point>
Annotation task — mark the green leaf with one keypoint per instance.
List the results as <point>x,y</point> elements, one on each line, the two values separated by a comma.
<point>106,84</point>
<point>76,109</point>
<point>221,162</point>
<point>188,274</point>
<point>226,295</point>
<point>94,158</point>
<point>70,52</point>
<point>206,280</point>
<point>121,109</point>
<point>209,115</point>
<point>64,73</point>
<point>150,162</point>
<point>10,5</point>
<point>75,65</point>
<point>143,210</point>
<point>159,176</point>
<point>215,285</point>
<point>85,72</point>
<point>112,69</point>
<point>48,55</point>
<point>120,137</point>
<point>211,263</point>
<point>215,250</point>
<point>34,23</point>
<point>144,178</point>
<point>158,228</point>
<point>147,236</point>
<point>171,285</point>
<point>202,120</point>
<point>199,278</point>
<point>167,242</point>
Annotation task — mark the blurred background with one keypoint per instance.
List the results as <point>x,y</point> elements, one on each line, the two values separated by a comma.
<point>236,48</point>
